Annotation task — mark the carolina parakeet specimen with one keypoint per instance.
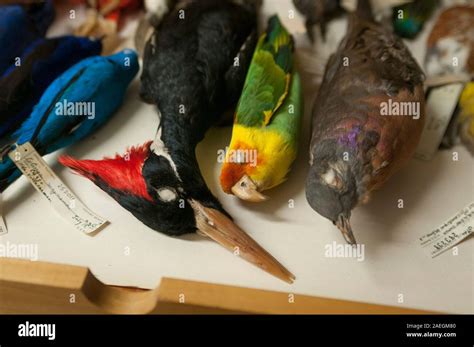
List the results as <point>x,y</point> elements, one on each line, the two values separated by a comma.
<point>367,119</point>
<point>41,63</point>
<point>318,12</point>
<point>408,19</point>
<point>267,120</point>
<point>75,105</point>
<point>190,74</point>
<point>20,25</point>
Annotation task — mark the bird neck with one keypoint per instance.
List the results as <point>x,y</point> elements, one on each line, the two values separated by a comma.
<point>177,142</point>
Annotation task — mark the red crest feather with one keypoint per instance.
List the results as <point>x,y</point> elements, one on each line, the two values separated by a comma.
<point>121,172</point>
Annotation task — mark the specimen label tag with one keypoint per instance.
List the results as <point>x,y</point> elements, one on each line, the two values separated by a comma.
<point>440,105</point>
<point>54,190</point>
<point>450,233</point>
<point>3,226</point>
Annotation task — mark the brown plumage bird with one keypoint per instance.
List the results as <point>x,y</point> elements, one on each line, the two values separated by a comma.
<point>358,141</point>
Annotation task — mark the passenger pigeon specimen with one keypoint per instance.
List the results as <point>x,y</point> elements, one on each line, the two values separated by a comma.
<point>355,148</point>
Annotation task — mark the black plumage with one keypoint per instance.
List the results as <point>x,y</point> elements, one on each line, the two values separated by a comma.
<point>195,65</point>
<point>189,74</point>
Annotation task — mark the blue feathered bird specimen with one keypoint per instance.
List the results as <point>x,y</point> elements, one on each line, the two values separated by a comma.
<point>43,61</point>
<point>75,105</point>
<point>20,25</point>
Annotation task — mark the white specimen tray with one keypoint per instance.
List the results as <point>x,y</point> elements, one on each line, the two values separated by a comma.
<point>394,261</point>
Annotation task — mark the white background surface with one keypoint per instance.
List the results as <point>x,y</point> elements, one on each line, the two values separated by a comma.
<point>394,262</point>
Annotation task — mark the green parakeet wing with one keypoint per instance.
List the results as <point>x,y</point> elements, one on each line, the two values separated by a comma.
<point>269,76</point>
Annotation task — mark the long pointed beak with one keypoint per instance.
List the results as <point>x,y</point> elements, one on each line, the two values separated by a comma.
<point>246,189</point>
<point>345,227</point>
<point>221,229</point>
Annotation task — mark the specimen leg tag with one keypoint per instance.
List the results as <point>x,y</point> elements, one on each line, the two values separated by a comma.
<point>450,233</point>
<point>50,186</point>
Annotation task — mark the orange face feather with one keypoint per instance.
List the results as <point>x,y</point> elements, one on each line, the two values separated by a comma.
<point>123,173</point>
<point>232,172</point>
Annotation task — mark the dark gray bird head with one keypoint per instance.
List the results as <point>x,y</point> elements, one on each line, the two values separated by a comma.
<point>331,188</point>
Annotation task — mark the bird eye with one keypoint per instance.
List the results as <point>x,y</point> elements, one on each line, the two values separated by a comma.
<point>166,194</point>
<point>332,179</point>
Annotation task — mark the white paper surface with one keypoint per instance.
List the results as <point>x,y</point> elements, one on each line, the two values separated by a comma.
<point>128,253</point>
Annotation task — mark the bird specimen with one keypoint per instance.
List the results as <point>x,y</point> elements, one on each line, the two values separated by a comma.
<point>318,12</point>
<point>77,103</point>
<point>450,56</point>
<point>267,120</point>
<point>111,10</point>
<point>41,63</point>
<point>408,19</point>
<point>358,141</point>
<point>194,69</point>
<point>20,25</point>
<point>104,19</point>
<point>450,45</point>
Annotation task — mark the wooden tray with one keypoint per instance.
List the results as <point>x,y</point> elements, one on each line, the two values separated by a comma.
<point>38,288</point>
<point>394,262</point>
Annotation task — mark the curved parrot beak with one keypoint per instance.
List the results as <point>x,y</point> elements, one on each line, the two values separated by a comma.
<point>345,227</point>
<point>220,228</point>
<point>246,189</point>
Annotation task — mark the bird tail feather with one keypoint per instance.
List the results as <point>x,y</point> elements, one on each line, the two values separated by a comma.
<point>279,42</point>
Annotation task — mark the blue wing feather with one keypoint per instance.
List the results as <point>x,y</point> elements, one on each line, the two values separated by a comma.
<point>21,87</point>
<point>99,80</point>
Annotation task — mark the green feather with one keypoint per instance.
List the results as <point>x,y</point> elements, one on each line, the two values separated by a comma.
<point>408,19</point>
<point>268,79</point>
<point>287,119</point>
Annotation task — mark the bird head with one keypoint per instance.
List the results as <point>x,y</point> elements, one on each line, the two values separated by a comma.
<point>146,182</point>
<point>257,159</point>
<point>331,191</point>
<point>127,59</point>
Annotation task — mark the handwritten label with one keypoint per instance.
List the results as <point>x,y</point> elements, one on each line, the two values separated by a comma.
<point>50,186</point>
<point>441,103</point>
<point>449,233</point>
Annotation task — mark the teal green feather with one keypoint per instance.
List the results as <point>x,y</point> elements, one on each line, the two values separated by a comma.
<point>268,79</point>
<point>408,19</point>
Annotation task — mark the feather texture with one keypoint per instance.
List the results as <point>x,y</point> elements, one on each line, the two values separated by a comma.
<point>268,116</point>
<point>409,19</point>
<point>22,86</point>
<point>122,173</point>
<point>355,145</point>
<point>20,25</point>
<point>59,119</point>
